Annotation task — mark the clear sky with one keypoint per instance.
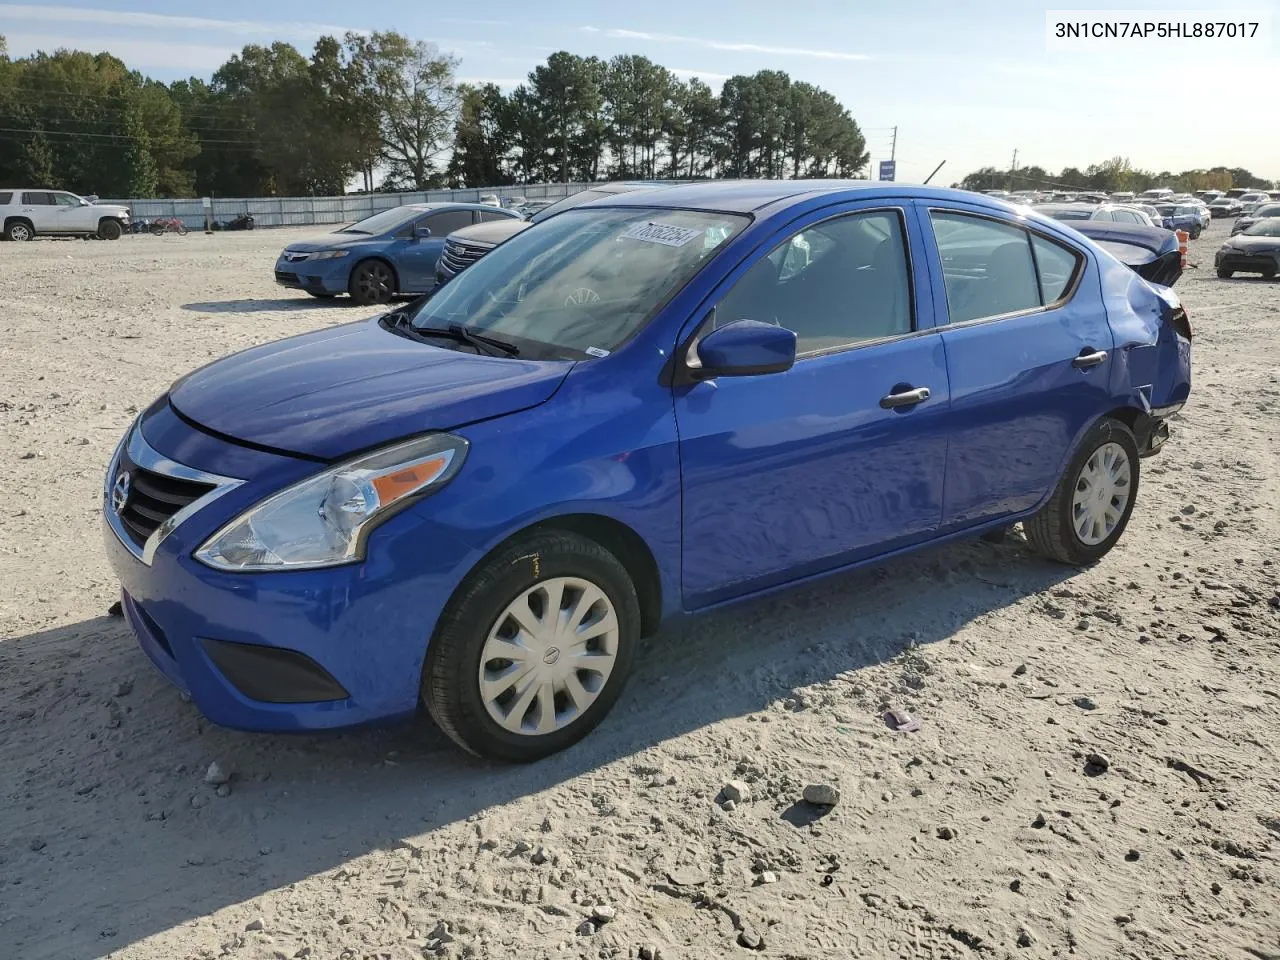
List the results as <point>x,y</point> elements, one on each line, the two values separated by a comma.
<point>965,82</point>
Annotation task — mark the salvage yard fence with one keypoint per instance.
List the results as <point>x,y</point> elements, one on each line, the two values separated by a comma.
<point>301,211</point>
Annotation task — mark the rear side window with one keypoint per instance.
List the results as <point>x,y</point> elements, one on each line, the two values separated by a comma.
<point>1056,267</point>
<point>443,224</point>
<point>6,198</point>
<point>38,198</point>
<point>991,269</point>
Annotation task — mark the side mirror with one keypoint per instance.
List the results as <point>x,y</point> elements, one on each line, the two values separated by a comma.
<point>421,233</point>
<point>744,348</point>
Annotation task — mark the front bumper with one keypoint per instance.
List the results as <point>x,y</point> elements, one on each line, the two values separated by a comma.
<point>1268,262</point>
<point>285,651</point>
<point>314,276</point>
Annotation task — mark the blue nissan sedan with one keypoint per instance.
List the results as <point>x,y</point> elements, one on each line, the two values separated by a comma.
<point>654,404</point>
<point>389,254</point>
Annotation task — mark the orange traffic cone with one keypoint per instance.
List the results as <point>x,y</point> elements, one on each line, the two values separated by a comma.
<point>1183,237</point>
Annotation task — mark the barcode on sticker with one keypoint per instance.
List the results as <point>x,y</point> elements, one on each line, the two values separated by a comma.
<point>665,233</point>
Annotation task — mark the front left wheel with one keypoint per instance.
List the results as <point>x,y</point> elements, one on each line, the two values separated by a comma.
<point>534,649</point>
<point>1092,503</point>
<point>110,230</point>
<point>371,282</point>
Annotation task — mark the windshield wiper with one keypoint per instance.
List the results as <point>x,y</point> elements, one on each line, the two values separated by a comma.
<point>492,346</point>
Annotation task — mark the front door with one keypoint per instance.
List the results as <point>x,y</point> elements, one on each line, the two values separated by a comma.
<point>842,456</point>
<point>73,214</point>
<point>418,255</point>
<point>1029,361</point>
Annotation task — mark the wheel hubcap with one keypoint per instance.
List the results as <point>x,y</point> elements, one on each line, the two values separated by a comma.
<point>20,233</point>
<point>376,283</point>
<point>1102,493</point>
<point>548,656</point>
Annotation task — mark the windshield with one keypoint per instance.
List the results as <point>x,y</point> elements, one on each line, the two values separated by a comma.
<point>568,203</point>
<point>1267,210</point>
<point>1269,227</point>
<point>583,283</point>
<point>384,221</point>
<point>1067,213</point>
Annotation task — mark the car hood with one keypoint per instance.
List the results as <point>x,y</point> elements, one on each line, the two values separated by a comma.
<point>491,233</point>
<point>1255,244</point>
<point>331,242</point>
<point>332,392</point>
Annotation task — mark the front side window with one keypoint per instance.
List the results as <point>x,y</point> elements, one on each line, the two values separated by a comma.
<point>989,268</point>
<point>488,216</point>
<point>581,283</point>
<point>66,200</point>
<point>840,282</point>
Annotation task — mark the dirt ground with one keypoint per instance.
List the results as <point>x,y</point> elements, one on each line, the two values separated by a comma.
<point>985,834</point>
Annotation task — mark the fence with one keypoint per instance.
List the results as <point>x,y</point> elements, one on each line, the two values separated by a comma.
<point>300,211</point>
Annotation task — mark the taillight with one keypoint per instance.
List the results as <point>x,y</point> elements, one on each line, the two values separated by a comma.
<point>1181,323</point>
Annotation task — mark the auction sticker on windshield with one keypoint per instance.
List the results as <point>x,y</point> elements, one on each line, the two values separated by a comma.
<point>665,233</point>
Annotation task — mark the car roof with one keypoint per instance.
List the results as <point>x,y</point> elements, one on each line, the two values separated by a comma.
<point>747,196</point>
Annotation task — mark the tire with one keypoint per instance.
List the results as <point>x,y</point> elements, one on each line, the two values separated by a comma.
<point>19,230</point>
<point>182,229</point>
<point>372,282</point>
<point>157,229</point>
<point>519,576</point>
<point>1055,531</point>
<point>1195,234</point>
<point>110,230</point>
<point>1225,274</point>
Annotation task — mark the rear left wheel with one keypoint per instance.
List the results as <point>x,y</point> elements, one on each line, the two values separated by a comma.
<point>533,651</point>
<point>1093,501</point>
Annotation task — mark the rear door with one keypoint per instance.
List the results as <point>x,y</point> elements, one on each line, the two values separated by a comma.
<point>1028,354</point>
<point>39,208</point>
<point>842,456</point>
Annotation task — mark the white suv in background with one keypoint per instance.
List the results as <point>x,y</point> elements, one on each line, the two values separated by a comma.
<point>29,213</point>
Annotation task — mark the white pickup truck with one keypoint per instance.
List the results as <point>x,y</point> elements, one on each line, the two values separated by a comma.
<point>30,213</point>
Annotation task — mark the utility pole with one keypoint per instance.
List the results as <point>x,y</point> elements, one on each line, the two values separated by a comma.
<point>1014,169</point>
<point>893,147</point>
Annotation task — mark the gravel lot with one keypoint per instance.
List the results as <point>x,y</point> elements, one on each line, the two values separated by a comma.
<point>985,834</point>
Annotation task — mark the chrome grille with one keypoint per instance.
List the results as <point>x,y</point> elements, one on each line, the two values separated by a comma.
<point>153,498</point>
<point>458,255</point>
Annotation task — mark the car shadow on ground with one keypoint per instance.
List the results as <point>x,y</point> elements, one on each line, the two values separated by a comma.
<point>304,302</point>
<point>101,845</point>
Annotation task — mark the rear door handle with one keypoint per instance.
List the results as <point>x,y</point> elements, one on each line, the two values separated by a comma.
<point>905,398</point>
<point>1086,360</point>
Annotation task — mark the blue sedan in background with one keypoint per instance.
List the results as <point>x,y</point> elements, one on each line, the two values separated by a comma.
<point>654,404</point>
<point>392,253</point>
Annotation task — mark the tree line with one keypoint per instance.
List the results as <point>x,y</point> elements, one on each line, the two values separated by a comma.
<point>1112,176</point>
<point>389,112</point>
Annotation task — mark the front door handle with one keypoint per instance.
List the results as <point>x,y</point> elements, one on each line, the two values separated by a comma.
<point>905,398</point>
<point>1086,360</point>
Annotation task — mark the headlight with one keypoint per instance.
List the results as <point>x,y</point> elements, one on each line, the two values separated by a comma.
<point>328,254</point>
<point>324,520</point>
